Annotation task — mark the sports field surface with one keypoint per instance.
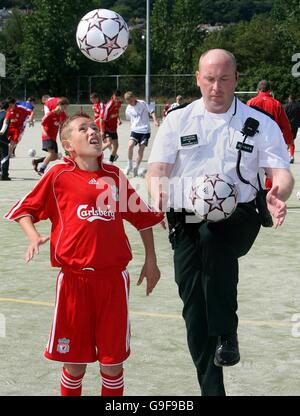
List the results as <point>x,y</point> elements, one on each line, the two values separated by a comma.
<point>160,364</point>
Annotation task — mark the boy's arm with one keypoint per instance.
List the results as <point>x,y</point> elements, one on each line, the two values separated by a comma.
<point>150,271</point>
<point>34,238</point>
<point>153,115</point>
<point>44,124</point>
<point>30,119</point>
<point>4,127</point>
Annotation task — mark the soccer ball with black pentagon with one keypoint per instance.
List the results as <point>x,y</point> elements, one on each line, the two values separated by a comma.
<point>102,35</point>
<point>213,197</point>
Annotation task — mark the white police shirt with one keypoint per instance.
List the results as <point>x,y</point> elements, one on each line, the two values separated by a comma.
<point>198,142</point>
<point>138,115</point>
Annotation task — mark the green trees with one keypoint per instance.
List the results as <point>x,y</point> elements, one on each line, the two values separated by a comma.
<point>264,47</point>
<point>264,35</point>
<point>49,52</point>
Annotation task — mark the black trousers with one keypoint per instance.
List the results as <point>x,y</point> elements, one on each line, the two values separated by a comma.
<point>4,158</point>
<point>206,272</point>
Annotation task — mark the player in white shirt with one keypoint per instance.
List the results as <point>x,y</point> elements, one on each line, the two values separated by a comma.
<point>138,112</point>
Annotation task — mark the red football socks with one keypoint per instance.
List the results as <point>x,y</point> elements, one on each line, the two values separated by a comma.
<point>112,385</point>
<point>70,385</point>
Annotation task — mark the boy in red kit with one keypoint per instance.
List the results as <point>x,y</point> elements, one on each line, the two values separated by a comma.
<point>86,200</point>
<point>98,108</point>
<point>14,122</point>
<point>50,103</point>
<point>50,127</point>
<point>110,122</point>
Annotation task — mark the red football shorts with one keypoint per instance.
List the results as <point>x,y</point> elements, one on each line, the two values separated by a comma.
<point>14,135</point>
<point>90,319</point>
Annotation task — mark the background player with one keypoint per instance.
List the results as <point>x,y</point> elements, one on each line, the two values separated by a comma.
<point>292,109</point>
<point>14,122</point>
<point>98,108</point>
<point>50,103</point>
<point>29,104</point>
<point>137,111</point>
<point>4,143</point>
<point>110,121</point>
<point>50,127</point>
<point>91,312</point>
<point>266,102</point>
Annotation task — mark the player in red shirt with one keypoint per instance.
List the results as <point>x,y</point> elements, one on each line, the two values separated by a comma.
<point>98,108</point>
<point>50,103</point>
<point>110,122</point>
<point>50,127</point>
<point>87,200</point>
<point>14,122</point>
<point>264,101</point>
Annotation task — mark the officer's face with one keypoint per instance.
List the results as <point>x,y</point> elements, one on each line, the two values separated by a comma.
<point>217,79</point>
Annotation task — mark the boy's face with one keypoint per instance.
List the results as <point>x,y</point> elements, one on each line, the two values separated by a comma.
<point>62,108</point>
<point>118,99</point>
<point>94,100</point>
<point>131,101</point>
<point>83,138</point>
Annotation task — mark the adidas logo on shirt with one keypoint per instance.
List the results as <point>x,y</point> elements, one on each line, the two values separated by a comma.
<point>93,182</point>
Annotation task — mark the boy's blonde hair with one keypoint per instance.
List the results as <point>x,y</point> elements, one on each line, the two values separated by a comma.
<point>128,95</point>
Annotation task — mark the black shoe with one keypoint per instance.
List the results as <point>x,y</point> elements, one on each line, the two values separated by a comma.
<point>34,164</point>
<point>5,178</point>
<point>227,351</point>
<point>41,171</point>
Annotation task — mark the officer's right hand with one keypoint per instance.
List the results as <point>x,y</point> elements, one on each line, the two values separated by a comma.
<point>276,206</point>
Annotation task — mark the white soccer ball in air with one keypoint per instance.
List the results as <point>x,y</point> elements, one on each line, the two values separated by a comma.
<point>102,35</point>
<point>213,197</point>
<point>31,152</point>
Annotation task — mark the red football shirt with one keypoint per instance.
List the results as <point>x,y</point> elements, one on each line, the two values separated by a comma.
<point>87,210</point>
<point>98,111</point>
<point>110,115</point>
<point>51,103</point>
<point>51,123</point>
<point>266,102</point>
<point>16,117</point>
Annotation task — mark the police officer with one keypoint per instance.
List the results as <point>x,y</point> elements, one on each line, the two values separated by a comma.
<point>206,137</point>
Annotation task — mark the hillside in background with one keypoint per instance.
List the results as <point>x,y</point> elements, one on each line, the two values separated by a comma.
<point>214,11</point>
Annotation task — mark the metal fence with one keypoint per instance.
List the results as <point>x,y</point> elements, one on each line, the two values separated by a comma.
<point>78,89</point>
<point>163,88</point>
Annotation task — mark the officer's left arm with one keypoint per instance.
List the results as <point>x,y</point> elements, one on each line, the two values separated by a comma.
<point>282,187</point>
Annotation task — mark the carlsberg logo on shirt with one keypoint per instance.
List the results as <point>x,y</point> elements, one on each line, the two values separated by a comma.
<point>92,214</point>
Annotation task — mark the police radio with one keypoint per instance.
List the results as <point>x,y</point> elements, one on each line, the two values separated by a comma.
<point>249,130</point>
<point>250,127</point>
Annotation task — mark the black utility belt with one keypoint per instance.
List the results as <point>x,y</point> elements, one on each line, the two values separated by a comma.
<point>185,212</point>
